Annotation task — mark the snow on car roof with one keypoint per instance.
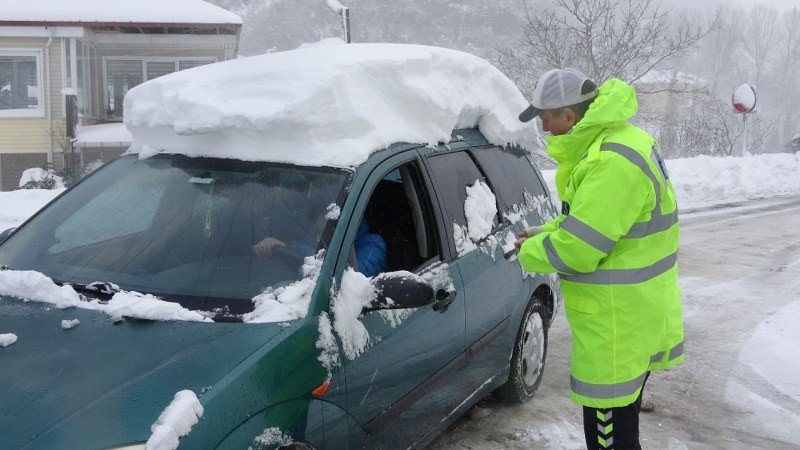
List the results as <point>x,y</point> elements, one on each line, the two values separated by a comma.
<point>117,11</point>
<point>326,105</point>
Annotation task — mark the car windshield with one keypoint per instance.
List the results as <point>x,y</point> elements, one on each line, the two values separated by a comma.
<point>210,234</point>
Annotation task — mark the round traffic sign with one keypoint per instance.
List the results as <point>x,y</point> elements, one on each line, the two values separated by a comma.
<point>744,98</point>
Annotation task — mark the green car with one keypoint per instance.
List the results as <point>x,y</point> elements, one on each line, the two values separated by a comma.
<point>214,301</point>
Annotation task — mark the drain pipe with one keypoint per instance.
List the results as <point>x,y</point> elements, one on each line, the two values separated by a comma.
<point>46,95</point>
<point>343,11</point>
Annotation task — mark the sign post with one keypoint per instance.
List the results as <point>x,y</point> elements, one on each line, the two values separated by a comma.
<point>744,102</point>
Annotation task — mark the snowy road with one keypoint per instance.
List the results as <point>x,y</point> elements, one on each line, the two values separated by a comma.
<point>740,385</point>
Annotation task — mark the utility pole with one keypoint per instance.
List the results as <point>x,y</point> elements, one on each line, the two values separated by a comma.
<point>343,11</point>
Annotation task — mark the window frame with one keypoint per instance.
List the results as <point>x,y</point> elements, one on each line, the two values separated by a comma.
<point>39,111</point>
<point>176,60</point>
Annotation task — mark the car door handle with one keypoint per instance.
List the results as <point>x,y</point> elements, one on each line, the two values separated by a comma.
<point>443,300</point>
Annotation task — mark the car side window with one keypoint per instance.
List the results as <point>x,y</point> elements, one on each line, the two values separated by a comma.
<point>511,173</point>
<point>398,229</point>
<point>454,172</point>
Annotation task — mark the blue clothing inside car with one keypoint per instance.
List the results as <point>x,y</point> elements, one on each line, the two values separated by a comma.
<point>370,251</point>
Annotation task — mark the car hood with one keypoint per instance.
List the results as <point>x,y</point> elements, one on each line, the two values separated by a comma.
<point>104,379</point>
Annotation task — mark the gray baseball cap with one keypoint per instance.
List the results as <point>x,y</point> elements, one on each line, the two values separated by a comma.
<point>558,88</point>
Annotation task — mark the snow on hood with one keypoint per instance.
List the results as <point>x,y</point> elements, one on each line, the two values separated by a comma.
<point>34,286</point>
<point>327,105</point>
<point>175,421</point>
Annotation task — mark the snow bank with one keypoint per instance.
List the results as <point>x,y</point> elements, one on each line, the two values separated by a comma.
<point>175,421</point>
<point>118,11</point>
<point>328,105</point>
<point>17,206</point>
<point>37,174</point>
<point>34,286</point>
<point>7,339</point>
<point>706,180</point>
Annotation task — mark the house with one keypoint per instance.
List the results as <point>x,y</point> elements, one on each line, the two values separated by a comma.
<point>98,50</point>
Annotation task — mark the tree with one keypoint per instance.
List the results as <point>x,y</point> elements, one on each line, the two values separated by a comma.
<point>790,63</point>
<point>604,38</point>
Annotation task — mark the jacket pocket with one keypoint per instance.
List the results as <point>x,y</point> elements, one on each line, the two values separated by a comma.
<point>581,305</point>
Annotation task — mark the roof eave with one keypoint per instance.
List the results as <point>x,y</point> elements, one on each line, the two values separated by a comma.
<point>44,23</point>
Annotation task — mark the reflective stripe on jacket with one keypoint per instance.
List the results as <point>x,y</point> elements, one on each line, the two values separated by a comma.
<point>616,252</point>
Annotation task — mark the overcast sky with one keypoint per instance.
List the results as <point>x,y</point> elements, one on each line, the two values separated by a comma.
<point>777,4</point>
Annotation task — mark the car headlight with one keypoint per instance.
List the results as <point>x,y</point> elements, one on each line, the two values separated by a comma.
<point>134,446</point>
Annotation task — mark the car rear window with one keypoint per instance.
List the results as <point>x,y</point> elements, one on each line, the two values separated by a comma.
<point>511,175</point>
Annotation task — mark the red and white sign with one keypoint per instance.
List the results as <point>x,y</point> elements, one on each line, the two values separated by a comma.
<point>744,98</point>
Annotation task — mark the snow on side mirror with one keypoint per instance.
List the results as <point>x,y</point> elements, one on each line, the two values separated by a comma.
<point>400,290</point>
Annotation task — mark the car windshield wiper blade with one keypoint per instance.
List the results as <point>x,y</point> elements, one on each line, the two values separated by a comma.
<point>99,289</point>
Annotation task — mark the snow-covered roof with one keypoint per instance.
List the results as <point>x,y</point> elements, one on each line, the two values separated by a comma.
<point>329,105</point>
<point>115,12</point>
<point>104,135</point>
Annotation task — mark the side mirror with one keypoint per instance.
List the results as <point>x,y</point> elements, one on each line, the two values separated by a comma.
<point>400,290</point>
<point>5,234</point>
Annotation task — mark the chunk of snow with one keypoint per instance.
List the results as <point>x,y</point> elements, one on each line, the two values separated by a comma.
<point>464,244</point>
<point>272,437</point>
<point>287,302</point>
<point>326,342</point>
<point>326,105</point>
<point>355,294</point>
<point>175,421</point>
<point>333,212</point>
<point>68,324</point>
<point>480,209</point>
<point>7,339</point>
<point>335,6</point>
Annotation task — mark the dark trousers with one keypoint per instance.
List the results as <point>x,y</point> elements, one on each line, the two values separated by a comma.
<point>613,428</point>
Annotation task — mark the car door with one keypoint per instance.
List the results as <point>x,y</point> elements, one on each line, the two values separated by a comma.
<point>495,287</point>
<point>397,383</point>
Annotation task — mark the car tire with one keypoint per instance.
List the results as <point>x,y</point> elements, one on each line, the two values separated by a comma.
<point>528,357</point>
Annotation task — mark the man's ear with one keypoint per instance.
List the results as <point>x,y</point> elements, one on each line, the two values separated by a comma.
<point>570,115</point>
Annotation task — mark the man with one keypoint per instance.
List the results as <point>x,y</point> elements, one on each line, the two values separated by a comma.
<point>614,245</point>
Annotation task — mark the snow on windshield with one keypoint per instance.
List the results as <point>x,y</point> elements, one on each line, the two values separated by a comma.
<point>326,105</point>
<point>34,286</point>
<point>288,302</point>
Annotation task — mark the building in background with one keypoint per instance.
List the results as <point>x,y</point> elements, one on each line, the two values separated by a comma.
<point>97,49</point>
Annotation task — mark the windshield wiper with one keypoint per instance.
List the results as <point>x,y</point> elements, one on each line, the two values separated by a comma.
<point>101,290</point>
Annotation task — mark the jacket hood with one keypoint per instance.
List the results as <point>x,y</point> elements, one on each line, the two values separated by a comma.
<point>614,106</point>
<point>103,382</point>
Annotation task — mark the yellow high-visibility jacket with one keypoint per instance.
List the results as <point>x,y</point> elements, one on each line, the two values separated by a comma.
<point>615,247</point>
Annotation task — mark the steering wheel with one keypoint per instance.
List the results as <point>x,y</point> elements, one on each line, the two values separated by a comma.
<point>288,256</point>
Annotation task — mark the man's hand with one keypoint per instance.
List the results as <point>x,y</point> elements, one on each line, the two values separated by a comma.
<point>264,248</point>
<point>525,234</point>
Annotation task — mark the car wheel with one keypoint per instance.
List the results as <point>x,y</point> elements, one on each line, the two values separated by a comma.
<point>527,360</point>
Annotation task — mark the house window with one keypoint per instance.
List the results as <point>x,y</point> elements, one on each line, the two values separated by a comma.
<point>79,73</point>
<point>20,82</point>
<point>123,74</point>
